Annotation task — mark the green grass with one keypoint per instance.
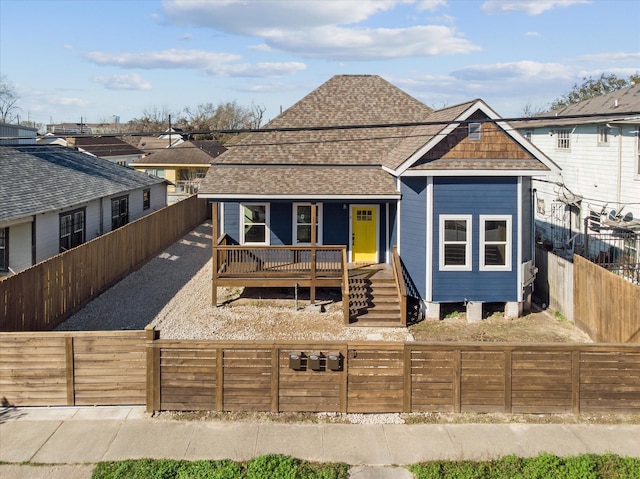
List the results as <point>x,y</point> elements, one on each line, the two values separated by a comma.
<point>544,466</point>
<point>275,466</point>
<point>271,466</point>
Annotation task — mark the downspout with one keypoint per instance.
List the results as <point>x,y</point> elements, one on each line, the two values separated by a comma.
<point>619,180</point>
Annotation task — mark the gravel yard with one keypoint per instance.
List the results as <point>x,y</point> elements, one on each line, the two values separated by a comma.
<point>173,293</point>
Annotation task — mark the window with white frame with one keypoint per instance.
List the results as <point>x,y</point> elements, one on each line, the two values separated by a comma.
<point>603,135</point>
<point>302,223</point>
<point>563,139</point>
<point>475,131</point>
<point>255,223</point>
<point>495,243</point>
<point>455,242</point>
<point>528,134</point>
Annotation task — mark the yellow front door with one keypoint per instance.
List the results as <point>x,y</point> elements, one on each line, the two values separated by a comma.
<point>363,234</point>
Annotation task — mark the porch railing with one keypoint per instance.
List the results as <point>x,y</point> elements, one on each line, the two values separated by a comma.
<point>278,266</point>
<point>400,284</point>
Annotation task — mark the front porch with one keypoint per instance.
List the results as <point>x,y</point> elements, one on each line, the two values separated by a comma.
<point>372,294</point>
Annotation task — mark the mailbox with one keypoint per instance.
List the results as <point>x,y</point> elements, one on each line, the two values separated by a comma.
<point>295,361</point>
<point>313,360</point>
<point>334,361</point>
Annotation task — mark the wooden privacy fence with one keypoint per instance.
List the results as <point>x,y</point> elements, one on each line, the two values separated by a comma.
<point>133,367</point>
<point>43,296</point>
<point>607,306</point>
<point>393,377</point>
<point>73,369</point>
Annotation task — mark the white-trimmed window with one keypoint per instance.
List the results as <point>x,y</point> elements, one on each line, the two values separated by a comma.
<point>302,223</point>
<point>475,131</point>
<point>495,243</point>
<point>563,139</point>
<point>255,223</point>
<point>603,135</point>
<point>455,242</point>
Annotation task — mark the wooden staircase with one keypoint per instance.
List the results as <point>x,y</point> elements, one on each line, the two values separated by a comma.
<point>373,296</point>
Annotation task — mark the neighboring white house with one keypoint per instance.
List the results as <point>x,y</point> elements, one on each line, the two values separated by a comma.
<point>54,198</point>
<point>595,142</point>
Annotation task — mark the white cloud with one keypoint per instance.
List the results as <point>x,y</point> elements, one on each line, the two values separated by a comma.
<point>532,34</point>
<point>612,57</point>
<point>369,44</point>
<point>123,82</point>
<point>251,17</point>
<point>210,63</point>
<point>325,29</point>
<point>66,101</point>
<point>172,58</point>
<point>523,70</point>
<point>530,7</point>
<point>431,5</point>
<point>185,37</point>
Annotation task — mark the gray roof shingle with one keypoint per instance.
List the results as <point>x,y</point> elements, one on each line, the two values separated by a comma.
<point>42,178</point>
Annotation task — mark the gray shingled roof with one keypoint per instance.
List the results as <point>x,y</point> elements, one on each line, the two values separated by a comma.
<point>106,146</point>
<point>616,103</point>
<point>42,178</point>
<point>365,101</point>
<point>201,152</point>
<point>295,181</point>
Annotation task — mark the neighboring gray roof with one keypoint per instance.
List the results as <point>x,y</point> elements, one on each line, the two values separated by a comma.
<point>107,146</point>
<point>187,153</point>
<point>42,178</point>
<point>617,104</point>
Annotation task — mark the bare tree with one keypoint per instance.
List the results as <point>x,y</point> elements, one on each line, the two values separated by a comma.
<point>153,120</point>
<point>530,110</point>
<point>8,101</point>
<point>211,119</point>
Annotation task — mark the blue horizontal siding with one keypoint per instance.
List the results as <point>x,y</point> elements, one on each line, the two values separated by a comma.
<point>413,230</point>
<point>475,196</point>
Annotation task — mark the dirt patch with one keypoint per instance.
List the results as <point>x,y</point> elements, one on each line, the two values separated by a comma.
<point>397,418</point>
<point>540,326</point>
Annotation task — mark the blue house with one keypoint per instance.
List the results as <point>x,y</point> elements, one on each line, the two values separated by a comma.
<point>440,200</point>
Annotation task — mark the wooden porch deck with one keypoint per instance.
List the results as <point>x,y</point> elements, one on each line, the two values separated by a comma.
<point>371,293</point>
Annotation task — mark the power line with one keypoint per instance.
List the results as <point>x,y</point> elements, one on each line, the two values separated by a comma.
<point>238,131</point>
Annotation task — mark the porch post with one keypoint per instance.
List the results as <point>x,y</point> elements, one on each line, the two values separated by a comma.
<point>312,293</point>
<point>214,253</point>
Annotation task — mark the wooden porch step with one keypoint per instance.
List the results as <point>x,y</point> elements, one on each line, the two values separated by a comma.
<point>374,299</point>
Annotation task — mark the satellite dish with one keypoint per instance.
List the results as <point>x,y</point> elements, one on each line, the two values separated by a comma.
<point>628,217</point>
<point>613,215</point>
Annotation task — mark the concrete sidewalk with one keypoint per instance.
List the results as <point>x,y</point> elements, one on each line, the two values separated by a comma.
<point>76,436</point>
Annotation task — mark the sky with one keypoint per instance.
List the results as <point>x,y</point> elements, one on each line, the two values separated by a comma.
<point>96,59</point>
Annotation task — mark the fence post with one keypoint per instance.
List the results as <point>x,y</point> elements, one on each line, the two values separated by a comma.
<point>153,370</point>
<point>70,370</point>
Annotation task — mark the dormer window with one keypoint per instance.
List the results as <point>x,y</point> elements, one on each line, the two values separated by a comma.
<point>474,131</point>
